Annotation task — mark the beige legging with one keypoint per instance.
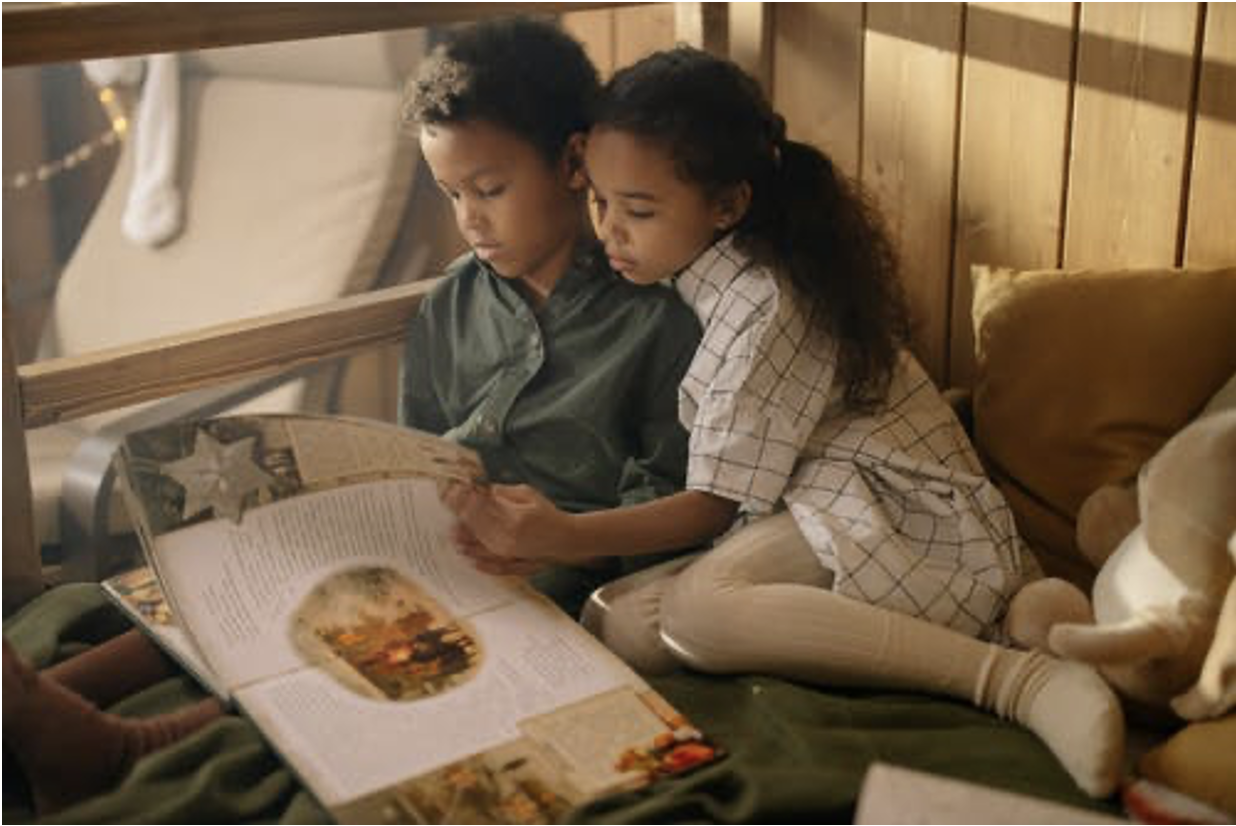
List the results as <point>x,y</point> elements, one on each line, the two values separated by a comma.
<point>760,602</point>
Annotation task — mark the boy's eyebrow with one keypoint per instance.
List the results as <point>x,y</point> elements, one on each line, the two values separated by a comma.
<point>474,174</point>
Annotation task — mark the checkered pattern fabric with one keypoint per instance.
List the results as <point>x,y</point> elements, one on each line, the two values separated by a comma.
<point>894,503</point>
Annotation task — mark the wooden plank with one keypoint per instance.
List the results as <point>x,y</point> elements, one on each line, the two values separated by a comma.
<point>1209,238</point>
<point>703,25</point>
<point>909,127</point>
<point>818,76</point>
<point>594,29</point>
<point>23,575</point>
<point>54,33</point>
<point>640,31</point>
<point>751,29</point>
<point>58,389</point>
<point>1014,128</point>
<point>1134,76</point>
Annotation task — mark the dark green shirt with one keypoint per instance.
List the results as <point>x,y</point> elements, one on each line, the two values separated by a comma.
<point>578,398</point>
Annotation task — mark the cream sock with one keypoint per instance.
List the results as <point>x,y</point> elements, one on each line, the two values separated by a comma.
<point>1067,704</point>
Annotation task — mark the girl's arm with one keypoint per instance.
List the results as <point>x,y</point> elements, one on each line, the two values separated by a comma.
<point>516,521</point>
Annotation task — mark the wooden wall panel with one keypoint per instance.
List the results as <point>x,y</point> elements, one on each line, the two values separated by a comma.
<point>909,124</point>
<point>595,29</point>
<point>1131,111</point>
<point>1209,238</point>
<point>1014,128</point>
<point>703,25</point>
<point>818,76</point>
<point>750,32</point>
<point>641,30</point>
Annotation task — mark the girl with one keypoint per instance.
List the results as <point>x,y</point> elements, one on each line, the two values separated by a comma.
<point>877,554</point>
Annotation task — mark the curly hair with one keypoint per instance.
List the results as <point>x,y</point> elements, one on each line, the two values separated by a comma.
<point>524,75</point>
<point>807,221</point>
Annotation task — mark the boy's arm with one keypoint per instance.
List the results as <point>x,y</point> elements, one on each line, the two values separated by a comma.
<point>419,405</point>
<point>658,466</point>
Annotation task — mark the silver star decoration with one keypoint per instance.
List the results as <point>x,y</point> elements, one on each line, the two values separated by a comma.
<point>217,476</point>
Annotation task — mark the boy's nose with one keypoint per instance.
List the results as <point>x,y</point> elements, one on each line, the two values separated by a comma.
<point>469,216</point>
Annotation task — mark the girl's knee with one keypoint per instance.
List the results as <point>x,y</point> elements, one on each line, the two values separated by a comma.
<point>628,623</point>
<point>696,622</point>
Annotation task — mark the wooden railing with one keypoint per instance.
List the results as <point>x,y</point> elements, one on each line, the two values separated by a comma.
<point>56,390</point>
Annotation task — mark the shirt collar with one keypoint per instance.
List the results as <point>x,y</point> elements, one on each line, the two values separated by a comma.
<point>709,276</point>
<point>585,272</point>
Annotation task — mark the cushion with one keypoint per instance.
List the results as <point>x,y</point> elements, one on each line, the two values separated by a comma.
<point>1198,762</point>
<point>1082,375</point>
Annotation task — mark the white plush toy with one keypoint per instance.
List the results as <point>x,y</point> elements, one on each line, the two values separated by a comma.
<point>1163,628</point>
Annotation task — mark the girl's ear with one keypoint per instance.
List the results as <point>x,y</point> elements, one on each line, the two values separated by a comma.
<point>731,205</point>
<point>573,161</point>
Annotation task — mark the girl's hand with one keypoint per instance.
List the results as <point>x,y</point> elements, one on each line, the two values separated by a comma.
<point>489,563</point>
<point>515,522</point>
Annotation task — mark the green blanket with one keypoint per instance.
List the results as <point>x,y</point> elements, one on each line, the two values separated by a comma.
<point>795,752</point>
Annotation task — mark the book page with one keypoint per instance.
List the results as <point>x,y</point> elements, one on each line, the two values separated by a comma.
<point>531,659</point>
<point>138,594</point>
<point>333,450</point>
<point>236,586</point>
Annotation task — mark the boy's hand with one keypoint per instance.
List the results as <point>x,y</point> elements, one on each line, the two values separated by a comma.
<point>515,522</point>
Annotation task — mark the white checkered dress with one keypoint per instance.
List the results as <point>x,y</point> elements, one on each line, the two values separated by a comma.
<point>894,503</point>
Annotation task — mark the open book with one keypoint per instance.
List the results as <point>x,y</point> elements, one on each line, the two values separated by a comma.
<point>309,577</point>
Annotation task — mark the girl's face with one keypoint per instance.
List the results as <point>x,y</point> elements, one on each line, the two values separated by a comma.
<point>652,222</point>
<point>519,213</point>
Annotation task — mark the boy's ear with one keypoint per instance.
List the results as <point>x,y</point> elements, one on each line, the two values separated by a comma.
<point>573,161</point>
<point>731,205</point>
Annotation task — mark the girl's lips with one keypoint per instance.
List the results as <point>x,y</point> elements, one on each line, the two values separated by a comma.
<point>621,264</point>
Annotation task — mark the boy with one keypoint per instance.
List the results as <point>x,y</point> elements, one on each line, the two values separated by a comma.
<point>560,373</point>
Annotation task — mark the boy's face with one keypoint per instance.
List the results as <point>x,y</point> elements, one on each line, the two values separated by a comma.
<point>652,222</point>
<point>519,213</point>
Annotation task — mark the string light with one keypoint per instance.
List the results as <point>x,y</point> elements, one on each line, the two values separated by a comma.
<point>118,127</point>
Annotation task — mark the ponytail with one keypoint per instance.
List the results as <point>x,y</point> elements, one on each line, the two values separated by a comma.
<point>824,238</point>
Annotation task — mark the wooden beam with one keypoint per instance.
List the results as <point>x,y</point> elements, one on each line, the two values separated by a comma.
<point>67,388</point>
<point>57,33</point>
<point>703,25</point>
<point>750,32</point>
<point>818,76</point>
<point>1009,211</point>
<point>1209,240</point>
<point>1128,150</point>
<point>909,121</point>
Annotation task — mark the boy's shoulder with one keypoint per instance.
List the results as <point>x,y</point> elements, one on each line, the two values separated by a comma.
<point>454,277</point>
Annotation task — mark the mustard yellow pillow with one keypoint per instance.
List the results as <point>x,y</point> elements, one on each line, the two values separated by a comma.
<point>1200,761</point>
<point>1082,375</point>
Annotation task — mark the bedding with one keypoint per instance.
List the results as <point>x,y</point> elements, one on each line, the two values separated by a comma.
<point>795,753</point>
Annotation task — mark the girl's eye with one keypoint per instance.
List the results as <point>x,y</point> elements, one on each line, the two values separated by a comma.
<point>492,192</point>
<point>639,215</point>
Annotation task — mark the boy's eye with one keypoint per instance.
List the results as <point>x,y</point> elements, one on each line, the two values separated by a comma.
<point>491,192</point>
<point>639,214</point>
